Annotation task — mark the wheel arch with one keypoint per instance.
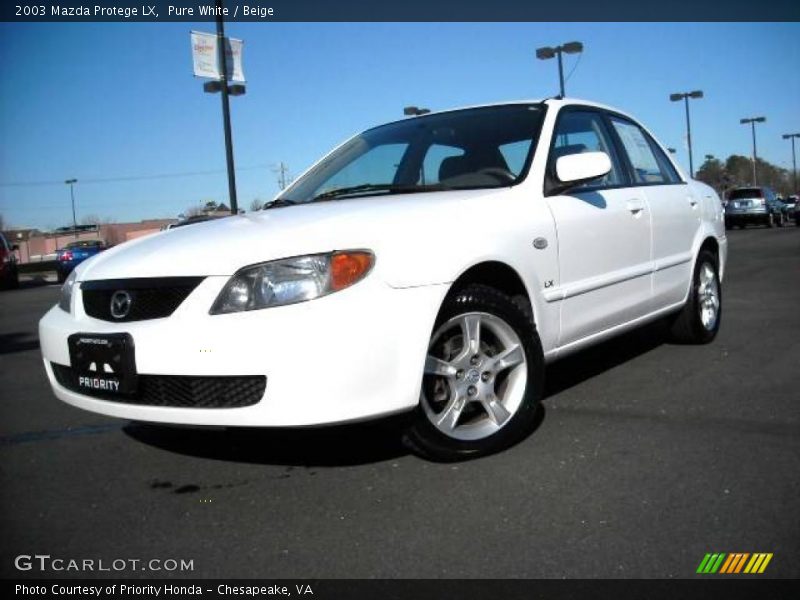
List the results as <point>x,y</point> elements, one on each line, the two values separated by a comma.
<point>501,276</point>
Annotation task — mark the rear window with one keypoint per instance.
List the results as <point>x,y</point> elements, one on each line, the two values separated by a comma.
<point>745,193</point>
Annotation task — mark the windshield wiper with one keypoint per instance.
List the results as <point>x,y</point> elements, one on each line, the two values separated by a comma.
<point>278,203</point>
<point>375,187</point>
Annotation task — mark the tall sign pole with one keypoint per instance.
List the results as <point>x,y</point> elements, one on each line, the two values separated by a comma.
<point>226,109</point>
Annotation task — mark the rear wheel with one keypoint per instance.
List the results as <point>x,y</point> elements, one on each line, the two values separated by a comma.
<point>699,320</point>
<point>482,380</point>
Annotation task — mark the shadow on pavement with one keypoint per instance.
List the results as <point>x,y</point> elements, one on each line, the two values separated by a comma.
<point>37,280</point>
<point>589,363</point>
<point>342,445</point>
<point>17,342</point>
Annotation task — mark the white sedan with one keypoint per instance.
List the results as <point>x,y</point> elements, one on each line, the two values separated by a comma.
<point>433,265</point>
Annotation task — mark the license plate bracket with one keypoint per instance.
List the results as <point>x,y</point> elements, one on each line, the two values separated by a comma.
<point>103,364</point>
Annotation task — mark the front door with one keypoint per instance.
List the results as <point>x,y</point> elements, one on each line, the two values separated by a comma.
<point>604,236</point>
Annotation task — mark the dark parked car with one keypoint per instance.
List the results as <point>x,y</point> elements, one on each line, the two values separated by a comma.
<point>791,205</point>
<point>74,253</point>
<point>9,275</point>
<point>754,205</point>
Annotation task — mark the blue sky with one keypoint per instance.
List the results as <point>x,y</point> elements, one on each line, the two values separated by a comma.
<point>97,101</point>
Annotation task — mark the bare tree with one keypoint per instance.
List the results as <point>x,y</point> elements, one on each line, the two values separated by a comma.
<point>256,204</point>
<point>91,220</point>
<point>193,211</point>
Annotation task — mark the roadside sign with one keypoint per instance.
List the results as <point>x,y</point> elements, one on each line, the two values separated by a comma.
<point>205,57</point>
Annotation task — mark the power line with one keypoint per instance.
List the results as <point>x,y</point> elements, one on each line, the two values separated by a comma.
<point>128,177</point>
<point>575,66</point>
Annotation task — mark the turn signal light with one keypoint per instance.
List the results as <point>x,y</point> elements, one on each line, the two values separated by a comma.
<point>348,268</point>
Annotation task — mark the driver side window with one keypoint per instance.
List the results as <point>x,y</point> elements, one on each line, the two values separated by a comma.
<point>577,132</point>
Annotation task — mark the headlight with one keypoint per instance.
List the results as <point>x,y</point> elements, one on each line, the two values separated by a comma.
<point>292,280</point>
<point>65,299</point>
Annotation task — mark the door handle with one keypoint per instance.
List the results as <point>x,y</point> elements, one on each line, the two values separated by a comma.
<point>635,205</point>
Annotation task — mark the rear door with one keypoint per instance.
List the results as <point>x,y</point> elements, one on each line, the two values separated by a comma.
<point>675,211</point>
<point>603,235</point>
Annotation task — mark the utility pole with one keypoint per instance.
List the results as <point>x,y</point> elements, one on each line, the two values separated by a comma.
<point>71,183</point>
<point>281,170</point>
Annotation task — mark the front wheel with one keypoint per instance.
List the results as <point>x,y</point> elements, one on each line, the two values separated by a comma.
<point>482,380</point>
<point>699,319</point>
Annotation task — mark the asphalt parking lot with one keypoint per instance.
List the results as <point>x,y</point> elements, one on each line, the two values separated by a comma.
<point>647,456</point>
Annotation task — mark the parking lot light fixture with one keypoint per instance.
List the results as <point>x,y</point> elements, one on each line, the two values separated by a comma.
<point>792,136</point>
<point>752,122</point>
<point>71,183</point>
<point>677,97</point>
<point>548,52</point>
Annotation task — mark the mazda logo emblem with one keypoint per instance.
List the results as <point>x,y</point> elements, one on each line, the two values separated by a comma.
<point>120,304</point>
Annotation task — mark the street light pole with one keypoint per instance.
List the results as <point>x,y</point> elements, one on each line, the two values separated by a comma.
<point>548,52</point>
<point>71,183</point>
<point>226,109</point>
<point>685,97</point>
<point>792,136</point>
<point>752,122</point>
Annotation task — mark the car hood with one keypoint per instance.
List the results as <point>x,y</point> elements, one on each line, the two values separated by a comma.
<point>223,246</point>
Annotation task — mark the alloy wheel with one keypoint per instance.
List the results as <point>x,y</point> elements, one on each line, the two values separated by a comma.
<point>475,376</point>
<point>708,297</point>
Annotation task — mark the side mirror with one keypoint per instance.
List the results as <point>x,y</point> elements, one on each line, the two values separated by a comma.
<point>575,169</point>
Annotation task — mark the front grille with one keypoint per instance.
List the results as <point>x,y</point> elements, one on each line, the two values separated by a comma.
<point>150,298</point>
<point>178,390</point>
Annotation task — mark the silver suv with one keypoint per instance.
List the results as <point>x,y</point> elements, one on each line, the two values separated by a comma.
<point>753,205</point>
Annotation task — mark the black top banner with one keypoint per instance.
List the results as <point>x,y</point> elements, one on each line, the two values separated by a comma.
<point>405,10</point>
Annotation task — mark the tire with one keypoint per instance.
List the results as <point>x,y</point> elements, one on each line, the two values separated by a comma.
<point>469,405</point>
<point>699,320</point>
<point>61,277</point>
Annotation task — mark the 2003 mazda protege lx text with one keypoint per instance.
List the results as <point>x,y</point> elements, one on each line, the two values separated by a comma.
<point>434,264</point>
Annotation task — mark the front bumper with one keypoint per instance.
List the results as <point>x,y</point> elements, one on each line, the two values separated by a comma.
<point>352,355</point>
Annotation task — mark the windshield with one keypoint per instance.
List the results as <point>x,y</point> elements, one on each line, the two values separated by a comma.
<point>745,193</point>
<point>474,148</point>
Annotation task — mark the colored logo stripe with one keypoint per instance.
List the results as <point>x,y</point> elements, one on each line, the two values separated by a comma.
<point>734,563</point>
<point>710,563</point>
<point>758,563</point>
